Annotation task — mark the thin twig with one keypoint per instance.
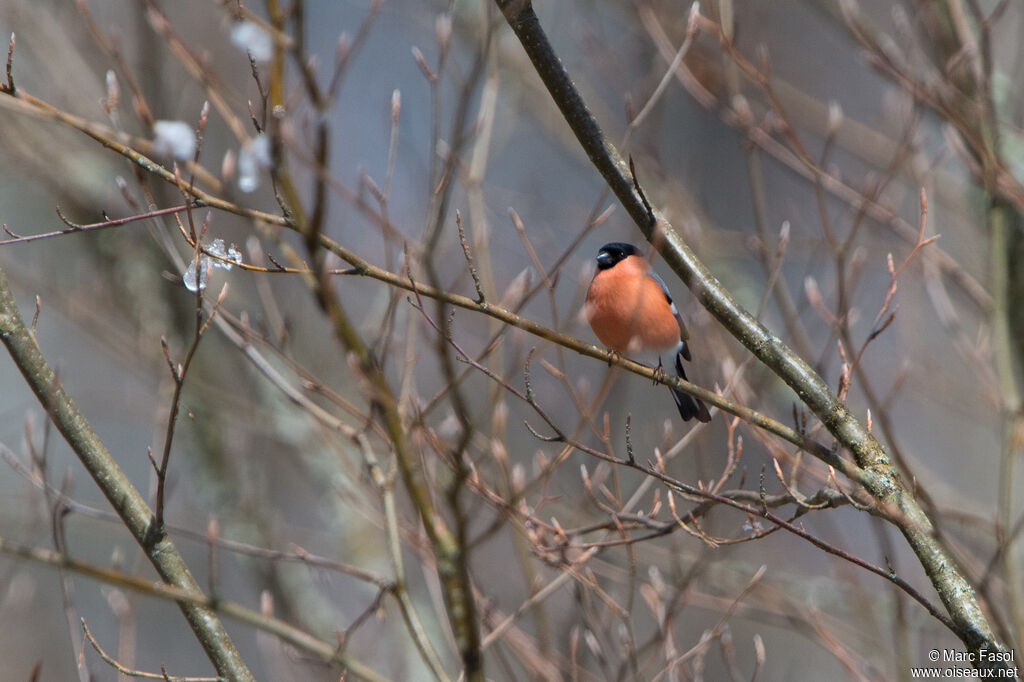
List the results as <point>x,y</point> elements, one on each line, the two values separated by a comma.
<point>9,88</point>
<point>75,227</point>
<point>469,259</point>
<point>323,650</point>
<point>116,665</point>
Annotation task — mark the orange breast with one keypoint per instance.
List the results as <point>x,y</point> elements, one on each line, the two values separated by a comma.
<point>628,310</point>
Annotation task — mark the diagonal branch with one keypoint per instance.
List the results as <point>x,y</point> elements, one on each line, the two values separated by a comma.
<point>116,486</point>
<point>879,477</point>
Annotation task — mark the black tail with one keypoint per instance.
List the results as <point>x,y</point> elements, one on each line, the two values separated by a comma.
<point>689,407</point>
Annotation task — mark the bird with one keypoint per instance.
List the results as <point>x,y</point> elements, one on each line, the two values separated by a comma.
<point>629,307</point>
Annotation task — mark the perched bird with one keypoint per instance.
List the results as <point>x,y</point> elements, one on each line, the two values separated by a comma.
<point>629,308</point>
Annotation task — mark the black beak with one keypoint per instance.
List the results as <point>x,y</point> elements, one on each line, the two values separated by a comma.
<point>605,260</point>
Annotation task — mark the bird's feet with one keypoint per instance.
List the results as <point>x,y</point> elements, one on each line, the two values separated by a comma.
<point>659,373</point>
<point>613,356</point>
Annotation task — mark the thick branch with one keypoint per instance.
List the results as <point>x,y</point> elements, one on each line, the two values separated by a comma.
<point>114,484</point>
<point>879,477</point>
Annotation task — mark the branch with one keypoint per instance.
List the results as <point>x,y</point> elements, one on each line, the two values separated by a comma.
<point>300,639</point>
<point>363,268</point>
<point>75,227</point>
<point>116,486</point>
<point>879,477</point>
<point>128,672</point>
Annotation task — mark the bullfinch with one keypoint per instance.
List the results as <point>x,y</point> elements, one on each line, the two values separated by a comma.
<point>629,308</point>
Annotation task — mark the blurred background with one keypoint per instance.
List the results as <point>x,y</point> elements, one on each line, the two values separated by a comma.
<point>789,146</point>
